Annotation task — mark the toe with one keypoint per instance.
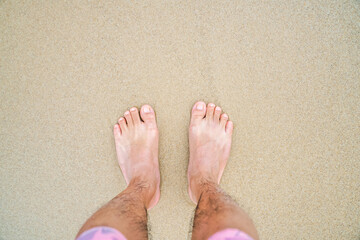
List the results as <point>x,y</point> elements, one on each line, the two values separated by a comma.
<point>135,115</point>
<point>223,119</point>
<point>210,111</point>
<point>148,116</point>
<point>217,114</point>
<point>122,124</point>
<point>117,132</point>
<point>229,127</point>
<point>128,118</point>
<point>198,112</point>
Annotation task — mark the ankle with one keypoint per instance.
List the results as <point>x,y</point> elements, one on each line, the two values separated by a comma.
<point>201,184</point>
<point>143,188</point>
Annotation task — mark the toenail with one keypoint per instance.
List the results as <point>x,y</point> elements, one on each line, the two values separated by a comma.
<point>121,119</point>
<point>126,113</point>
<point>211,105</point>
<point>133,109</point>
<point>146,109</point>
<point>199,107</point>
<point>218,109</point>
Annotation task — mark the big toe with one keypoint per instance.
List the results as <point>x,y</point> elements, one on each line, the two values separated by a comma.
<point>148,116</point>
<point>198,112</point>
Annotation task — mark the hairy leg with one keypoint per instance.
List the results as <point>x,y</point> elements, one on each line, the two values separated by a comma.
<point>216,211</point>
<point>126,213</point>
<point>210,142</point>
<point>136,142</point>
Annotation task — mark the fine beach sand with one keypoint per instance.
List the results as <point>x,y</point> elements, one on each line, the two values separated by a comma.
<point>286,72</point>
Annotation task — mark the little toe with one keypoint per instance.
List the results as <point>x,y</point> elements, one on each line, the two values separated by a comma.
<point>148,116</point>
<point>117,131</point>
<point>229,127</point>
<point>223,119</point>
<point>128,118</point>
<point>135,115</point>
<point>198,112</point>
<point>217,114</point>
<point>210,111</point>
<point>122,124</point>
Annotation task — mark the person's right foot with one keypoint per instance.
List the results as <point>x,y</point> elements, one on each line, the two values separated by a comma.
<point>210,142</point>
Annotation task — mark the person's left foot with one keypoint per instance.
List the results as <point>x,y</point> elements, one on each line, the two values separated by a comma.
<point>136,142</point>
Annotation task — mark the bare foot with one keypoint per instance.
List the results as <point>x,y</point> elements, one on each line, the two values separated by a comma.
<point>136,144</point>
<point>210,142</point>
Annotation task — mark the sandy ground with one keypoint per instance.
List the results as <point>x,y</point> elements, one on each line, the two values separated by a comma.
<point>287,73</point>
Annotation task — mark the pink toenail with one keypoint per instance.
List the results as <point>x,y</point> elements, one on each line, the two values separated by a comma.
<point>217,109</point>
<point>146,109</point>
<point>133,109</point>
<point>199,107</point>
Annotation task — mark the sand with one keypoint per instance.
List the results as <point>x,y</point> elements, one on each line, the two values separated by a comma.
<point>287,73</point>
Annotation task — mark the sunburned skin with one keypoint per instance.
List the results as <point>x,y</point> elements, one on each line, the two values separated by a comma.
<point>210,142</point>
<point>136,142</point>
